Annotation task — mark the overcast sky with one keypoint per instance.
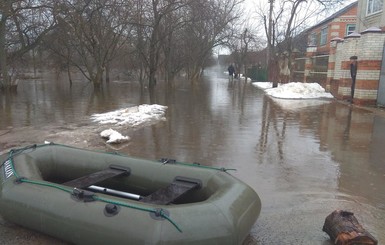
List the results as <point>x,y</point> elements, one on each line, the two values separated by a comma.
<point>252,6</point>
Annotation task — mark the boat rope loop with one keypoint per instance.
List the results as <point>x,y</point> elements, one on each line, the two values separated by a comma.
<point>47,184</point>
<point>157,212</point>
<point>75,191</point>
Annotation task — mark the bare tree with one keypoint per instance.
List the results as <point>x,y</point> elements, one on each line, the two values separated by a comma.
<point>174,53</point>
<point>23,24</point>
<point>286,18</point>
<point>90,34</point>
<point>156,31</point>
<point>211,25</point>
<point>240,46</point>
<point>164,37</point>
<point>139,41</point>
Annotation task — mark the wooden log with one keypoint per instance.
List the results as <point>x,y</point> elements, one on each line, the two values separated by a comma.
<point>344,229</point>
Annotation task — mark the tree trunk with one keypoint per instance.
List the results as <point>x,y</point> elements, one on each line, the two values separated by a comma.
<point>69,74</point>
<point>245,71</point>
<point>344,229</point>
<point>4,79</point>
<point>98,78</point>
<point>194,73</point>
<point>152,78</point>
<point>107,73</point>
<point>273,72</point>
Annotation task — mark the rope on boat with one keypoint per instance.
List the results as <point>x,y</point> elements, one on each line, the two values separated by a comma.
<point>97,198</point>
<point>155,211</point>
<point>47,184</point>
<point>19,179</point>
<point>173,161</point>
<point>162,160</point>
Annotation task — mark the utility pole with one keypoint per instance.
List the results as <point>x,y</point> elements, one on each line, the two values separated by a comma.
<point>270,46</point>
<point>270,29</point>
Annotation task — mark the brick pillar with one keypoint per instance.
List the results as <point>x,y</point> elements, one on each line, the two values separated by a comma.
<point>370,48</point>
<point>349,49</point>
<point>331,83</point>
<point>310,52</point>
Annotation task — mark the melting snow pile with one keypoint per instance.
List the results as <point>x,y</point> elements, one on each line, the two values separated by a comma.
<point>295,90</point>
<point>263,85</point>
<point>132,117</point>
<point>114,136</point>
<point>295,96</point>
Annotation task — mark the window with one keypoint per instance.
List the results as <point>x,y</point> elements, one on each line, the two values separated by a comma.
<point>374,6</point>
<point>350,28</point>
<point>312,41</point>
<point>324,36</point>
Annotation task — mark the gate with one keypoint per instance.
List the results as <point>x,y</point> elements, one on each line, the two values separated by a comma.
<point>381,85</point>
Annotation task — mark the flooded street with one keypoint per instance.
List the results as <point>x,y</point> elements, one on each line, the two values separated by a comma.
<point>304,158</point>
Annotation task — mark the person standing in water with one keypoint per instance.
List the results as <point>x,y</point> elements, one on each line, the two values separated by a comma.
<point>353,74</point>
<point>231,71</point>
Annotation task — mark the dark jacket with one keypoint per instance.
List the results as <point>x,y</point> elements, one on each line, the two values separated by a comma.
<point>231,70</point>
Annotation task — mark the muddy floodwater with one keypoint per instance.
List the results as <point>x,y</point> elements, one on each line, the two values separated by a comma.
<point>305,159</point>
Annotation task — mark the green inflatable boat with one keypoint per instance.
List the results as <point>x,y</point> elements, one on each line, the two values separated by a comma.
<point>90,197</point>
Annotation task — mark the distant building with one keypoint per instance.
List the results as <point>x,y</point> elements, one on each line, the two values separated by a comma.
<point>224,60</point>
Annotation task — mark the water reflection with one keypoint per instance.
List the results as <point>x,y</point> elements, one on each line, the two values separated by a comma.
<point>358,136</point>
<point>43,102</point>
<point>352,137</point>
<point>304,160</point>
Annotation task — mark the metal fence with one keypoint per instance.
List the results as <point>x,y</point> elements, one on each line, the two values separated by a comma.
<point>299,69</point>
<point>318,72</point>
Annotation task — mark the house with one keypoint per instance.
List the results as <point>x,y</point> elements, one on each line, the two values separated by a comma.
<point>367,44</point>
<point>356,30</point>
<point>340,24</point>
<point>314,65</point>
<point>371,13</point>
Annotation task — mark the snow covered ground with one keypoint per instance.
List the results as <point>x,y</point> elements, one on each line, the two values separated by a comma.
<point>295,96</point>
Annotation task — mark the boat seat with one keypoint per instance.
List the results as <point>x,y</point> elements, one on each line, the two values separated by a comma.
<point>96,177</point>
<point>179,187</point>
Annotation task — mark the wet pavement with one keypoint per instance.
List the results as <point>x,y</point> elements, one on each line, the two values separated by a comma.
<point>304,159</point>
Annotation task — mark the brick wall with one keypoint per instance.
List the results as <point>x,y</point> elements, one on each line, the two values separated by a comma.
<point>369,48</point>
<point>336,28</point>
